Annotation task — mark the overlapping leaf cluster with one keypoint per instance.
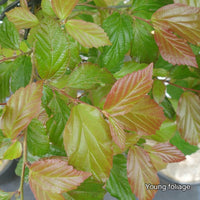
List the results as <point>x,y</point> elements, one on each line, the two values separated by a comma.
<point>102,95</point>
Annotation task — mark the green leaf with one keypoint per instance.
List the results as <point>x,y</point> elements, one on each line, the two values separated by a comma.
<point>128,90</point>
<point>22,18</point>
<point>54,176</point>
<point>119,30</point>
<point>182,145</point>
<point>4,145</point>
<point>10,40</point>
<point>168,108</point>
<point>88,190</point>
<point>21,75</point>
<point>21,108</point>
<point>117,184</point>
<point>47,7</point>
<point>157,162</point>
<point>88,76</point>
<point>158,91</point>
<point>51,53</point>
<point>87,141</point>
<point>86,33</point>
<point>13,152</point>
<point>194,3</point>
<point>37,139</point>
<point>63,8</point>
<point>6,195</point>
<point>188,117</point>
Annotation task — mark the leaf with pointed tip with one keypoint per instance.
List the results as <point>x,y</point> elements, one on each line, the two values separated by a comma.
<point>168,152</point>
<point>188,117</point>
<point>88,76</point>
<point>6,195</point>
<point>13,152</point>
<point>158,91</point>
<point>51,53</point>
<point>120,32</point>
<point>10,40</point>
<point>21,108</point>
<point>117,132</point>
<point>63,8</point>
<point>145,117</point>
<point>86,33</point>
<point>22,18</point>
<point>186,23</point>
<point>54,176</point>
<point>173,49</point>
<point>87,141</point>
<point>140,171</point>
<point>128,90</point>
<point>117,184</point>
<point>194,3</point>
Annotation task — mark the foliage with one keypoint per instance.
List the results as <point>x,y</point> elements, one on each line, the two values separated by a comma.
<point>85,85</point>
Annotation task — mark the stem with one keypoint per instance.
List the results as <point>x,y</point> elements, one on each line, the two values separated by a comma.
<point>3,104</point>
<point>144,20</point>
<point>21,188</point>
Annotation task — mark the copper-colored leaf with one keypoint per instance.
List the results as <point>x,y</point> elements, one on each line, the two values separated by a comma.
<point>173,49</point>
<point>188,117</point>
<point>50,176</point>
<point>140,172</point>
<point>181,19</point>
<point>117,132</point>
<point>87,34</point>
<point>21,108</point>
<point>145,117</point>
<point>23,3</point>
<point>128,90</point>
<point>194,3</point>
<point>63,8</point>
<point>168,152</point>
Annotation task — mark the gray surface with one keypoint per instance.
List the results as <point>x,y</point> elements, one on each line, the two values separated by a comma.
<point>10,182</point>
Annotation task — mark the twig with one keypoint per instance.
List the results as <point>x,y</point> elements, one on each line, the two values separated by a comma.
<point>3,104</point>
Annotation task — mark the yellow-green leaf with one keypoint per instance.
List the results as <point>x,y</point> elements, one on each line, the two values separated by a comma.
<point>6,195</point>
<point>158,91</point>
<point>21,108</point>
<point>63,8</point>
<point>86,33</point>
<point>13,152</point>
<point>22,18</point>
<point>87,141</point>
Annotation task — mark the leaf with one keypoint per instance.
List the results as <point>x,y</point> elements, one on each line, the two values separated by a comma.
<point>52,55</point>
<point>63,8</point>
<point>88,76</point>
<point>10,40</point>
<point>168,108</point>
<point>168,152</point>
<point>86,33</point>
<point>21,108</point>
<point>140,171</point>
<point>5,143</point>
<point>157,162</point>
<point>21,75</point>
<point>158,91</point>
<point>173,49</point>
<point>186,23</point>
<point>194,3</point>
<point>128,90</point>
<point>54,176</point>
<point>47,7</point>
<point>23,3</point>
<point>119,30</point>
<point>145,117</point>
<point>117,184</point>
<point>117,132</point>
<point>6,195</point>
<point>87,141</point>
<point>182,145</point>
<point>37,139</point>
<point>22,18</point>
<point>13,152</point>
<point>188,117</point>
<point>88,190</point>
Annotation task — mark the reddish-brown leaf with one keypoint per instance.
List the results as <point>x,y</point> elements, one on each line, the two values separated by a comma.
<point>140,171</point>
<point>128,91</point>
<point>188,117</point>
<point>21,108</point>
<point>168,152</point>
<point>145,117</point>
<point>173,49</point>
<point>50,176</point>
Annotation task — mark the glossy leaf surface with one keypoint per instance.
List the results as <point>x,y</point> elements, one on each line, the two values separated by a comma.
<point>128,90</point>
<point>87,141</point>
<point>86,33</point>
<point>21,108</point>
